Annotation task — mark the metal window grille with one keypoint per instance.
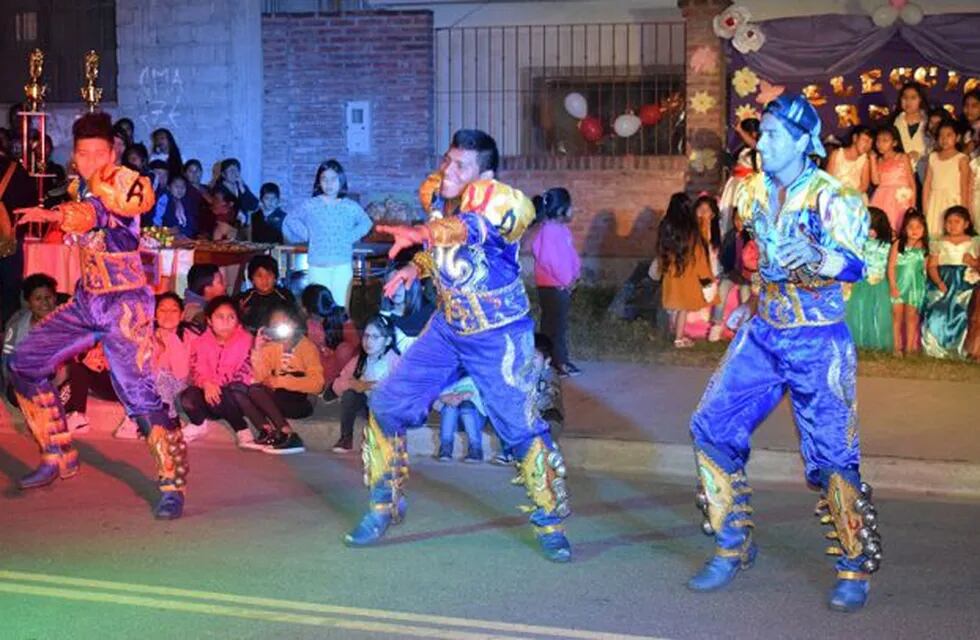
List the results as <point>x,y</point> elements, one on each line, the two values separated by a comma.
<point>64,30</point>
<point>512,83</point>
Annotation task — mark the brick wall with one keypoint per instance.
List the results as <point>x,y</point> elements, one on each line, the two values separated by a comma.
<point>314,65</point>
<point>615,210</point>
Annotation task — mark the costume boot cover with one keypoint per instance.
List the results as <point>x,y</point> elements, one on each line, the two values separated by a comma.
<point>46,419</point>
<point>848,508</point>
<point>170,452</point>
<point>385,467</point>
<point>723,497</point>
<point>543,472</point>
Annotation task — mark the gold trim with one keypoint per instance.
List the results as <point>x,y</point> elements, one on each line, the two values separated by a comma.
<point>447,232</point>
<point>841,496</point>
<point>77,217</point>
<point>717,487</point>
<point>853,575</point>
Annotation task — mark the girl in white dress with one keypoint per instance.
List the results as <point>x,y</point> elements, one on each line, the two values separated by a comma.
<point>912,116</point>
<point>947,179</point>
<point>850,164</point>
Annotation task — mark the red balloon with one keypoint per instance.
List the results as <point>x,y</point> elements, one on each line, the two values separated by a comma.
<point>650,114</point>
<point>591,128</point>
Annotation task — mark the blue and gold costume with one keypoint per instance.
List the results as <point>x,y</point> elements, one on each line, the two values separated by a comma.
<point>482,328</point>
<point>797,343</point>
<point>112,305</point>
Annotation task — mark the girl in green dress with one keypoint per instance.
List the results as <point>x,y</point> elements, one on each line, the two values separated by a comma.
<point>907,281</point>
<point>869,313</point>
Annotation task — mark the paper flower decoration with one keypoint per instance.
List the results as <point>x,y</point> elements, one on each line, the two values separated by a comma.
<point>704,60</point>
<point>701,102</point>
<point>768,92</point>
<point>702,160</point>
<point>748,39</point>
<point>745,81</point>
<point>746,111</point>
<point>728,21</point>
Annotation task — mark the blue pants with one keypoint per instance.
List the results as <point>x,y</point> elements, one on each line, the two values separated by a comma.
<point>501,363</point>
<point>816,365</point>
<point>472,421</point>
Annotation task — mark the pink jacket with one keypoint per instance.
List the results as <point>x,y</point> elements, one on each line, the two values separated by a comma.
<point>221,364</point>
<point>556,264</point>
<point>173,354</point>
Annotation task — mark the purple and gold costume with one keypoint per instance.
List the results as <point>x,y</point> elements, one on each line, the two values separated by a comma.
<point>482,328</point>
<point>798,343</point>
<point>112,305</point>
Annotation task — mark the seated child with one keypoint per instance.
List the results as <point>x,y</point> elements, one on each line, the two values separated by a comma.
<point>460,404</point>
<point>258,302</point>
<point>286,369</point>
<point>205,282</point>
<point>354,384</point>
<point>220,374</point>
<point>333,333</point>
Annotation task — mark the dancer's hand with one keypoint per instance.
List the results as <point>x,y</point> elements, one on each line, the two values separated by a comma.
<point>404,276</point>
<point>212,394</point>
<point>404,236</point>
<point>795,253</point>
<point>32,215</point>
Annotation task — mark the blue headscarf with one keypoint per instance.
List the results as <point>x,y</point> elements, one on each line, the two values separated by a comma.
<point>800,118</point>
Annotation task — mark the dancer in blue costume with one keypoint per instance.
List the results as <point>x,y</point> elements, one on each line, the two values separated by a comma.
<point>810,231</point>
<point>483,328</point>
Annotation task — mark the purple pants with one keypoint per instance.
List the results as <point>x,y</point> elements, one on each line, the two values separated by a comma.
<point>122,321</point>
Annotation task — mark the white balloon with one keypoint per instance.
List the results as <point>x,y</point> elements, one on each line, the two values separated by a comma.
<point>912,14</point>
<point>576,105</point>
<point>885,16</point>
<point>626,125</point>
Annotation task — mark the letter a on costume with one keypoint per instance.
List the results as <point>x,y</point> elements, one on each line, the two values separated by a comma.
<point>135,191</point>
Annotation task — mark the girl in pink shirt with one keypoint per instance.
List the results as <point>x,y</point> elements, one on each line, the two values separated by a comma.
<point>556,268</point>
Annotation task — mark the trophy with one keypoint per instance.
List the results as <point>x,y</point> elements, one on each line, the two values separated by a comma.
<point>33,124</point>
<point>91,94</point>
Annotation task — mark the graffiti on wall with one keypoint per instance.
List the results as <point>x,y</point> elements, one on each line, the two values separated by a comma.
<point>161,93</point>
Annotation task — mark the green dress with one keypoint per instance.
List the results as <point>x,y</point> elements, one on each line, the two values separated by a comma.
<point>910,277</point>
<point>869,309</point>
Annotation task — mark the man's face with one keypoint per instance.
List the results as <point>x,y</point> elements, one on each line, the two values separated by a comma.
<point>91,154</point>
<point>778,147</point>
<point>463,167</point>
<point>232,173</point>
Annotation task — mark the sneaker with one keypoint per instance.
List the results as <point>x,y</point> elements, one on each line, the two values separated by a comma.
<point>569,370</point>
<point>344,445</point>
<point>285,444</point>
<point>127,430</point>
<point>444,457</point>
<point>473,458</point>
<point>502,459</point>
<point>193,431</point>
<point>245,440</point>
<point>77,422</point>
<point>329,397</point>
<point>715,332</point>
<point>268,437</point>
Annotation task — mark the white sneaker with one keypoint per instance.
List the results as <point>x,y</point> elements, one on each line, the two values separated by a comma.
<point>245,440</point>
<point>193,431</point>
<point>715,332</point>
<point>126,430</point>
<point>77,422</point>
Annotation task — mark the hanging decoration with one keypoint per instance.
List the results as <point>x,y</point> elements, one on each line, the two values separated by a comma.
<point>886,15</point>
<point>702,102</point>
<point>746,111</point>
<point>702,160</point>
<point>591,129</point>
<point>576,105</point>
<point>627,124</point>
<point>749,39</point>
<point>768,92</point>
<point>650,114</point>
<point>745,81</point>
<point>728,21</point>
<point>704,60</point>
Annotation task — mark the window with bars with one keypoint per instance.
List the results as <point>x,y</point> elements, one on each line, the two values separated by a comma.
<point>512,83</point>
<point>64,30</point>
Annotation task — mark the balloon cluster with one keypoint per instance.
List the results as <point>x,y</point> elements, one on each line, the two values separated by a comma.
<point>626,124</point>
<point>886,15</point>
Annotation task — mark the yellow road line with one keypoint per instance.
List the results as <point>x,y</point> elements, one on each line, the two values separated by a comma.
<point>252,614</point>
<point>290,605</point>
